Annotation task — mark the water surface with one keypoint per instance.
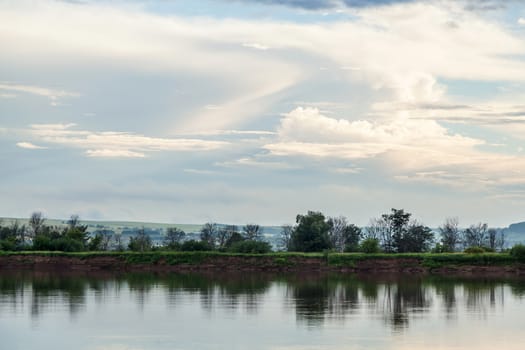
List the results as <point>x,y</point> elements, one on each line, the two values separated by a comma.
<point>43,310</point>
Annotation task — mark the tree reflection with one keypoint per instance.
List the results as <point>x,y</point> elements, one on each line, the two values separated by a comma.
<point>314,298</point>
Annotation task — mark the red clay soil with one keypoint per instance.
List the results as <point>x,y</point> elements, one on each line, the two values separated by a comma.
<point>232,263</point>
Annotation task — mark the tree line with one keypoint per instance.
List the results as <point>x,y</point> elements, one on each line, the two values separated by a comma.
<point>393,232</point>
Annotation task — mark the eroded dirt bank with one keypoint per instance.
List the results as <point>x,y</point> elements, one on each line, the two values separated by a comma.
<point>271,263</point>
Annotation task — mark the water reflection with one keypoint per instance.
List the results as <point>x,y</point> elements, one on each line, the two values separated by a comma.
<point>313,299</point>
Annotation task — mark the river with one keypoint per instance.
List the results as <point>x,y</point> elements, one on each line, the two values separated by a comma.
<point>50,310</point>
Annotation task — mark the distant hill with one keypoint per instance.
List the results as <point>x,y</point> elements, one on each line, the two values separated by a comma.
<point>517,227</point>
<point>155,230</point>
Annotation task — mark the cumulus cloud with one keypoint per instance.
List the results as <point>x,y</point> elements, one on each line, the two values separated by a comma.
<point>411,150</point>
<point>306,131</point>
<point>109,144</point>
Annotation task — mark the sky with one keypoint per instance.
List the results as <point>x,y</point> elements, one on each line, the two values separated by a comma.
<point>239,111</point>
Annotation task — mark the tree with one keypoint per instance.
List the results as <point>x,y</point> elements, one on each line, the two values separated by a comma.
<point>370,246</point>
<point>476,235</point>
<point>285,240</point>
<point>336,232</point>
<point>119,245</point>
<point>397,234</point>
<point>73,221</point>
<point>418,238</point>
<point>209,233</point>
<point>450,234</point>
<point>389,229</point>
<point>352,235</point>
<point>343,235</point>
<point>174,237</point>
<point>252,232</point>
<point>311,233</point>
<point>141,242</point>
<point>36,222</point>
<point>224,234</point>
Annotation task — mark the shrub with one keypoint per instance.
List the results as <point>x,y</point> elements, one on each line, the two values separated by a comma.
<point>370,246</point>
<point>438,248</point>
<point>518,251</point>
<point>250,247</point>
<point>193,245</point>
<point>475,250</point>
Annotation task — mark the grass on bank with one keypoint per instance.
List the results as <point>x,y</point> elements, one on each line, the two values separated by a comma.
<point>431,260</point>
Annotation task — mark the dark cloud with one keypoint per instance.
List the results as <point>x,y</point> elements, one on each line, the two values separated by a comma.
<point>326,4</point>
<point>471,5</point>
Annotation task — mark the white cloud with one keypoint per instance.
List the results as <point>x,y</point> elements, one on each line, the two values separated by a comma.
<point>52,94</point>
<point>113,153</point>
<point>29,145</point>
<point>410,150</point>
<point>255,46</point>
<point>396,58</point>
<point>252,162</point>
<point>521,21</point>
<point>117,144</point>
<point>305,131</point>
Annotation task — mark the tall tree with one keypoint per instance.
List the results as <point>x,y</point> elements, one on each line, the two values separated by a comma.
<point>174,237</point>
<point>36,223</point>
<point>209,233</point>
<point>285,240</point>
<point>450,234</point>
<point>224,235</point>
<point>141,242</point>
<point>336,233</point>
<point>476,235</point>
<point>397,234</point>
<point>311,233</point>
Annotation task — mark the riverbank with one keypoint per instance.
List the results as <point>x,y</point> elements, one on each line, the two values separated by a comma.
<point>439,264</point>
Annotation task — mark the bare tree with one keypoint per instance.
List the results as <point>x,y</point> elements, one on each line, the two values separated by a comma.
<point>450,234</point>
<point>36,222</point>
<point>476,235</point>
<point>74,221</point>
<point>174,237</point>
<point>252,232</point>
<point>285,241</point>
<point>209,233</point>
<point>117,239</point>
<point>224,234</point>
<point>374,229</point>
<point>106,240</point>
<point>336,234</point>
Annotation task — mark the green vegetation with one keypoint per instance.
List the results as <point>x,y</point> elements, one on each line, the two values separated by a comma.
<point>518,252</point>
<point>315,237</point>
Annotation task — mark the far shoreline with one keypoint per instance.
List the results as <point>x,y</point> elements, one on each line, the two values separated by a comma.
<point>444,264</point>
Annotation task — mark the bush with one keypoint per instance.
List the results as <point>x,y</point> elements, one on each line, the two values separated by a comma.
<point>250,247</point>
<point>370,246</point>
<point>475,250</point>
<point>193,245</point>
<point>518,251</point>
<point>438,249</point>
<point>7,245</point>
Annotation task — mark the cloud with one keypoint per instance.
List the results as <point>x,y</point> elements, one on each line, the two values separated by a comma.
<point>113,153</point>
<point>255,46</point>
<point>305,131</point>
<point>29,145</point>
<point>521,21</point>
<point>409,150</point>
<point>111,144</point>
<point>52,94</point>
